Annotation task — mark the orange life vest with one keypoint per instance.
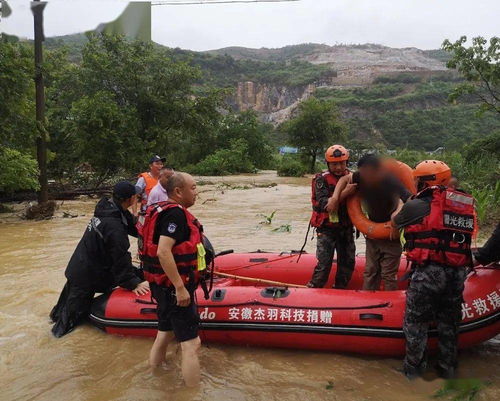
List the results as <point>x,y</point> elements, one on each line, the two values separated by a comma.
<point>444,235</point>
<point>150,184</point>
<point>185,253</point>
<point>320,217</point>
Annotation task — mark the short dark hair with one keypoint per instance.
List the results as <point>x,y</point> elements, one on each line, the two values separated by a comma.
<point>177,180</point>
<point>369,159</point>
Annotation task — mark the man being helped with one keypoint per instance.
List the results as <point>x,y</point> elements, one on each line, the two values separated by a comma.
<point>101,260</point>
<point>172,254</point>
<point>147,182</point>
<point>381,193</point>
<point>335,230</point>
<point>438,226</point>
<point>159,192</point>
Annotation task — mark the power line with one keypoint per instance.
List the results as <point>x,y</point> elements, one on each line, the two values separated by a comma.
<point>198,2</point>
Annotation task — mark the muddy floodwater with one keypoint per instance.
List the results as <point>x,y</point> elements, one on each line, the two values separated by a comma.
<point>93,366</point>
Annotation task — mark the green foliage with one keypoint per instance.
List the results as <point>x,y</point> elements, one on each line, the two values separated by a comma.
<point>480,176</point>
<point>17,94</point>
<point>246,127</point>
<point>480,66</point>
<point>225,71</point>
<point>19,171</point>
<point>290,166</point>
<point>412,116</point>
<point>268,219</point>
<point>405,78</point>
<point>104,133</point>
<point>489,145</point>
<point>433,128</point>
<point>284,228</point>
<point>461,389</point>
<point>125,101</point>
<point>316,126</point>
<point>226,161</point>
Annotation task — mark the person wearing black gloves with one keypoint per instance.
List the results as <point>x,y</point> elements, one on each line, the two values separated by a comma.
<point>100,261</point>
<point>490,252</point>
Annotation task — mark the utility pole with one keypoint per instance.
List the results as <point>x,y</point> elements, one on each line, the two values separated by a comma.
<point>41,140</point>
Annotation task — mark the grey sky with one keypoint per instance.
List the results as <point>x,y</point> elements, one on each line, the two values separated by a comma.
<point>396,23</point>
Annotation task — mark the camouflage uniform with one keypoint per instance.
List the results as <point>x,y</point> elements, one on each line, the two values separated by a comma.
<point>329,240</point>
<point>338,237</point>
<point>434,295</point>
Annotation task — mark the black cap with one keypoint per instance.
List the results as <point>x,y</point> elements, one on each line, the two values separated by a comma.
<point>124,190</point>
<point>157,158</point>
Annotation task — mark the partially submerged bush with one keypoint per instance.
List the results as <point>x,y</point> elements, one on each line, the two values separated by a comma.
<point>226,161</point>
<point>291,167</point>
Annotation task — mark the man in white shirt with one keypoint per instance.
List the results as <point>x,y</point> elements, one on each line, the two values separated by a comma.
<point>159,193</point>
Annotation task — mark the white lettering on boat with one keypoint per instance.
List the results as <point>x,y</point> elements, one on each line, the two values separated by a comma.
<point>481,306</point>
<point>293,315</point>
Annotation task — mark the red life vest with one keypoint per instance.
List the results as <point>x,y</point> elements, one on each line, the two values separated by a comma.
<point>443,236</point>
<point>320,217</point>
<point>185,253</point>
<point>150,184</point>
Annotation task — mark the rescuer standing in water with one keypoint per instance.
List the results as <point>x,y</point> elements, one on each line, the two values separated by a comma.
<point>334,229</point>
<point>438,227</point>
<point>172,254</point>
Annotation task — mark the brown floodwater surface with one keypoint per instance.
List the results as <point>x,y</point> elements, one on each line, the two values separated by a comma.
<point>93,366</point>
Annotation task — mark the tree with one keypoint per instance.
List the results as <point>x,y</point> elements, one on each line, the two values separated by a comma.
<point>246,126</point>
<point>317,126</point>
<point>131,98</point>
<point>479,65</point>
<point>17,92</point>
<point>17,129</point>
<point>19,171</point>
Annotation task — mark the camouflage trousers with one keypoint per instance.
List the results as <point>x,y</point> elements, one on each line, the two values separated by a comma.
<point>341,240</point>
<point>434,295</point>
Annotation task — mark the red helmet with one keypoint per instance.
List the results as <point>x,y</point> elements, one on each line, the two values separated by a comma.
<point>433,172</point>
<point>336,153</point>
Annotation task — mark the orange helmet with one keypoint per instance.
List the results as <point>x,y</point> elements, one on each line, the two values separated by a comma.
<point>433,172</point>
<point>336,153</point>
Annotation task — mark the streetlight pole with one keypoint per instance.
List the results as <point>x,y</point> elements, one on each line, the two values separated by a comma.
<point>41,139</point>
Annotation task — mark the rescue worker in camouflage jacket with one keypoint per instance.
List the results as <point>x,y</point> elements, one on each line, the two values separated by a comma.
<point>438,226</point>
<point>334,229</point>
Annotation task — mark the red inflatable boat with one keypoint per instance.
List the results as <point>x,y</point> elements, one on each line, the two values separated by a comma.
<point>245,313</point>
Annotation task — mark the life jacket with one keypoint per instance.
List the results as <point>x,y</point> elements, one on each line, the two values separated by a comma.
<point>187,254</point>
<point>150,184</point>
<point>320,217</point>
<point>443,236</point>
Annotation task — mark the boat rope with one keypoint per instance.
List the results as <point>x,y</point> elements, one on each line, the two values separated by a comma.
<point>259,280</point>
<point>261,263</point>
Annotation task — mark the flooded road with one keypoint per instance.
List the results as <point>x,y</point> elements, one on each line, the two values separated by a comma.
<point>92,366</point>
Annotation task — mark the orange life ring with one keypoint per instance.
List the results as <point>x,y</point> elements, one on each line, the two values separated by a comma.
<point>380,230</point>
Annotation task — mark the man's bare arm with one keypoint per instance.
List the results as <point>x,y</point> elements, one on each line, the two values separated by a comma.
<point>169,266</point>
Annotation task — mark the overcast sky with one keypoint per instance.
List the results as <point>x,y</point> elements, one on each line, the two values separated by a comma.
<point>397,23</point>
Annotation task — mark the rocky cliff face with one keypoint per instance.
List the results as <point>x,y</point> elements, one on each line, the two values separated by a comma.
<point>267,98</point>
<point>274,103</point>
<point>351,66</point>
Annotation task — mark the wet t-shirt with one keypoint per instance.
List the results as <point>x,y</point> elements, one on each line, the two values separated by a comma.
<point>381,200</point>
<point>173,223</point>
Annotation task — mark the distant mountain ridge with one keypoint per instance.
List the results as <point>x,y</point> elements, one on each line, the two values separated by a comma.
<point>305,50</point>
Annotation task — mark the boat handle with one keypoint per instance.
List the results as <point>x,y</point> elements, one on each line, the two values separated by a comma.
<point>145,311</point>
<point>369,316</point>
